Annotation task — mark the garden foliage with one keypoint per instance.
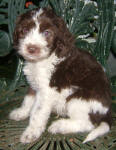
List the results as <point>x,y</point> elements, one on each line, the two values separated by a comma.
<point>91,22</point>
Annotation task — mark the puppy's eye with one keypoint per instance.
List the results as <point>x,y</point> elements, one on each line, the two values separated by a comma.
<point>47,33</point>
<point>25,30</point>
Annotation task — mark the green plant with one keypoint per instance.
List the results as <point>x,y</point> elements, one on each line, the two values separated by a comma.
<point>92,24</point>
<point>11,76</point>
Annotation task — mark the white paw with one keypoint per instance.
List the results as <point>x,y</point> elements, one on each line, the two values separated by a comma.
<point>18,114</point>
<point>30,134</point>
<point>57,127</point>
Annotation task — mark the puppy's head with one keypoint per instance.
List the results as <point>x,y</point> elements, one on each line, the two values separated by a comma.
<point>40,32</point>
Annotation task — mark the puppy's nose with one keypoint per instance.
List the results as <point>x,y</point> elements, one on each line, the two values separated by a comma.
<point>33,49</point>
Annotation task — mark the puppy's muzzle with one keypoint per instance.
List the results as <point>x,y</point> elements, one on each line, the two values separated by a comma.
<point>33,49</point>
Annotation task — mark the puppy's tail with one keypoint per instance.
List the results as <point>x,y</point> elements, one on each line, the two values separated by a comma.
<point>102,129</point>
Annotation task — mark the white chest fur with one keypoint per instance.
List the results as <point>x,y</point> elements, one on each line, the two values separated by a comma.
<point>38,74</point>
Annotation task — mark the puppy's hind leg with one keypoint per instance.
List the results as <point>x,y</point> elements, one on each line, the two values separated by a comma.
<point>78,120</point>
<point>65,126</point>
<point>23,112</point>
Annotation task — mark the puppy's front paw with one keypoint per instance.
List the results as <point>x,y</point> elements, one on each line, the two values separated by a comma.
<point>30,134</point>
<point>18,114</point>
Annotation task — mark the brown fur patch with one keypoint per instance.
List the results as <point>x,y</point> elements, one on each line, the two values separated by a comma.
<point>97,118</point>
<point>24,24</point>
<point>61,40</point>
<point>82,70</point>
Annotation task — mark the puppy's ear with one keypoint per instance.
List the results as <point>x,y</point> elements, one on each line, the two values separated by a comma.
<point>61,48</point>
<point>65,39</point>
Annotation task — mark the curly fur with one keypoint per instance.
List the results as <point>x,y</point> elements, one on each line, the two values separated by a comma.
<point>63,79</point>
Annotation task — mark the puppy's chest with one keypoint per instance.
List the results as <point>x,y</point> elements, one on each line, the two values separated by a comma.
<point>38,74</point>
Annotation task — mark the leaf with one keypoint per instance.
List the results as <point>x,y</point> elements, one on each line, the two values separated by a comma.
<point>3,2</point>
<point>105,30</point>
<point>3,21</point>
<point>2,16</point>
<point>84,45</point>
<point>3,10</point>
<point>83,28</point>
<point>4,84</point>
<point>19,76</point>
<point>114,42</point>
<point>113,84</point>
<point>11,76</point>
<point>5,44</point>
<point>88,12</point>
<point>43,3</point>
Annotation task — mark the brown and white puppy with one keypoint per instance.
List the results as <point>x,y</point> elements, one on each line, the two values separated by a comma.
<point>63,79</point>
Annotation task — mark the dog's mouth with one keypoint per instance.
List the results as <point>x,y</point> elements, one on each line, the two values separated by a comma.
<point>31,58</point>
<point>34,56</point>
<point>34,59</point>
